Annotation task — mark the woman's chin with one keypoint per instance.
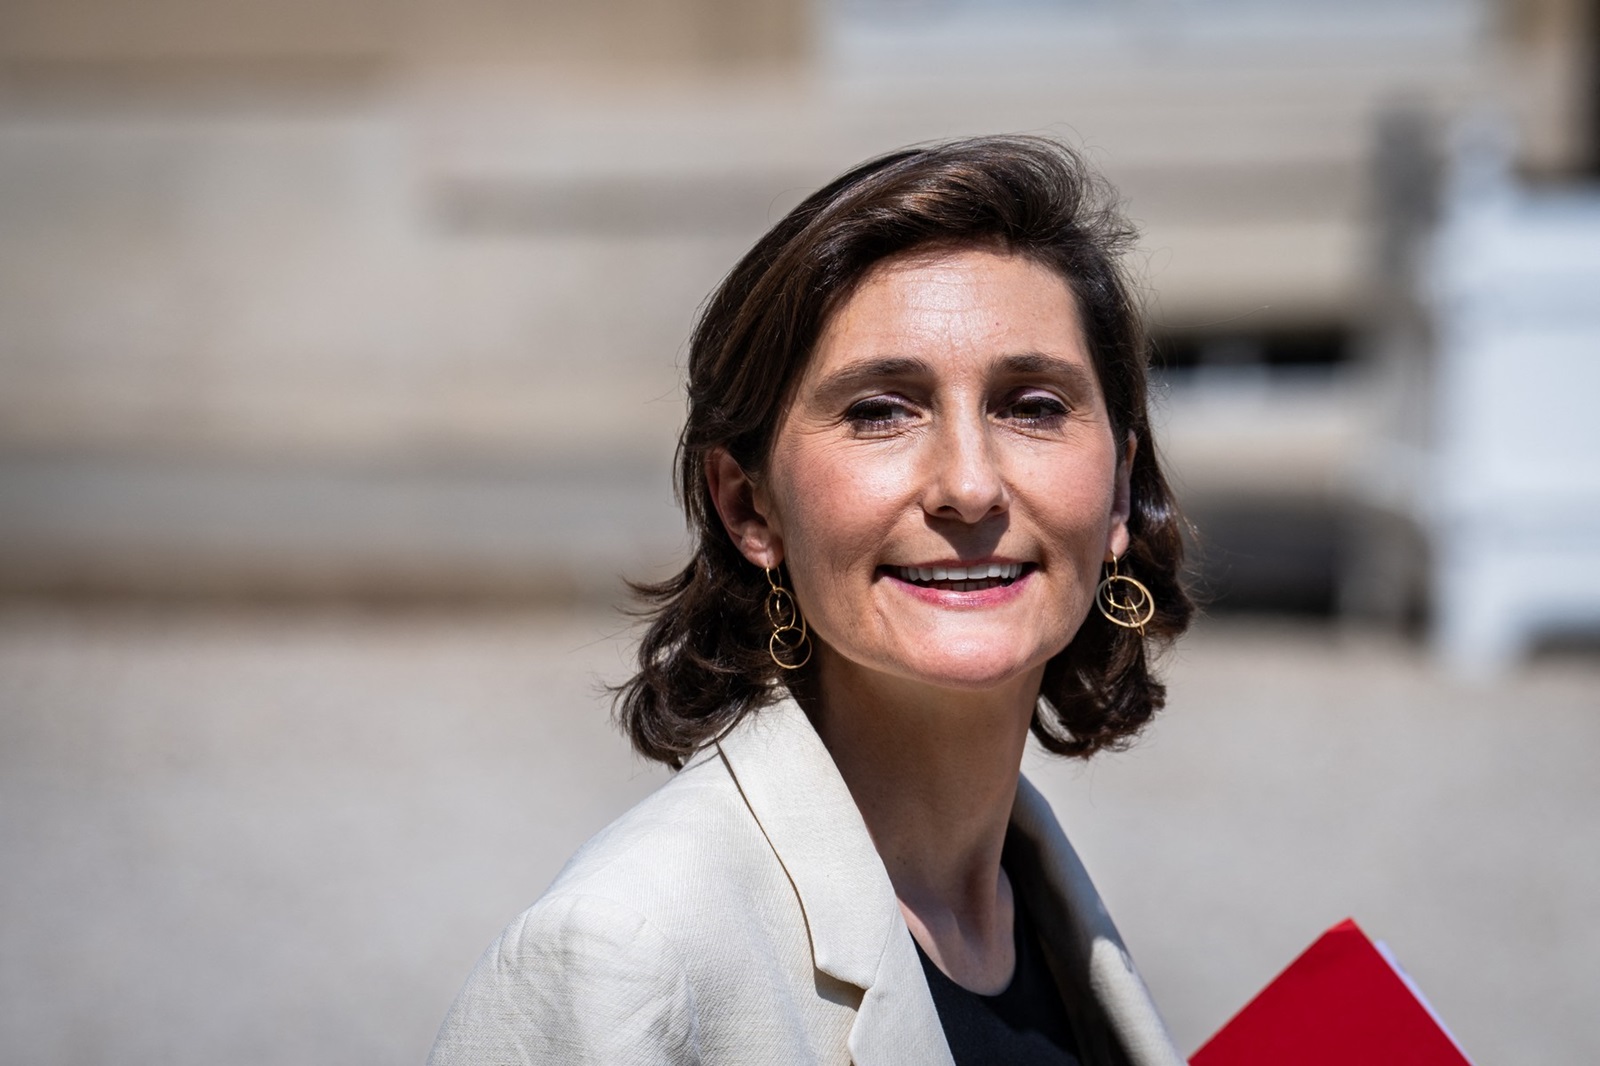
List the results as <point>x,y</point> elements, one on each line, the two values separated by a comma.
<point>979,679</point>
<point>971,672</point>
<point>961,657</point>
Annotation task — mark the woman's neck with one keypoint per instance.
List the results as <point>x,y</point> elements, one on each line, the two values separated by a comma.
<point>934,773</point>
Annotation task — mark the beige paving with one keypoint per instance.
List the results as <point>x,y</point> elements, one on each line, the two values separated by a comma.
<point>283,835</point>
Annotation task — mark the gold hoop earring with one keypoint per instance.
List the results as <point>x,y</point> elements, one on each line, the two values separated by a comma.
<point>789,633</point>
<point>1124,600</point>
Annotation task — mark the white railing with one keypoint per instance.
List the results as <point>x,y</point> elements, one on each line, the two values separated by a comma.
<point>1512,500</point>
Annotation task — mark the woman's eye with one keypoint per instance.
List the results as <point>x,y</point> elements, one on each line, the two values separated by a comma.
<point>879,412</point>
<point>1035,407</point>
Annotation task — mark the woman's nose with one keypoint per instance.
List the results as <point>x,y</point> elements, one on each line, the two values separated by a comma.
<point>964,480</point>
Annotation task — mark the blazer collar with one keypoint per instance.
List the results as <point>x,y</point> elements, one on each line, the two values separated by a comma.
<point>1114,1015</point>
<point>791,785</point>
<point>794,790</point>
<point>858,936</point>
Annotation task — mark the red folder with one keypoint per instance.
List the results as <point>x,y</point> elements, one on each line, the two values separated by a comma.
<point>1343,1001</point>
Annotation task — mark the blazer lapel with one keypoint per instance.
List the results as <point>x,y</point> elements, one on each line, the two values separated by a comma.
<point>793,789</point>
<point>857,934</point>
<point>897,1022</point>
<point>1112,1010</point>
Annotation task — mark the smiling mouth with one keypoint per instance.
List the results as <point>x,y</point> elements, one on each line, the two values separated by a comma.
<point>973,578</point>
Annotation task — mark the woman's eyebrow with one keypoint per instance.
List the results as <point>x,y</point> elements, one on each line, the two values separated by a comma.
<point>856,375</point>
<point>1074,374</point>
<point>849,379</point>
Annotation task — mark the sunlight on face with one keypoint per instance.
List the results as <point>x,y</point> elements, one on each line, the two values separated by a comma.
<point>945,483</point>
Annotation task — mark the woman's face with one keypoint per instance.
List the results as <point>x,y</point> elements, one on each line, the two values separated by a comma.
<point>945,483</point>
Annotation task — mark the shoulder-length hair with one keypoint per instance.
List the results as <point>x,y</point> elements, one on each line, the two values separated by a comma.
<point>704,660</point>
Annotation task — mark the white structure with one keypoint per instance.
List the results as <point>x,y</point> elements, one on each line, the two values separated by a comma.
<point>1513,503</point>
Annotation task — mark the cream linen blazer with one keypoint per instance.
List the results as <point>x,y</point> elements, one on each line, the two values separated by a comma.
<point>740,914</point>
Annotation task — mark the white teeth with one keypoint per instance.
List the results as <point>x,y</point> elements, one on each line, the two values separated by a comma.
<point>967,574</point>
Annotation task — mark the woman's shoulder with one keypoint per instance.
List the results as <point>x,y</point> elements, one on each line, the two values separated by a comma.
<point>687,862</point>
<point>670,905</point>
<point>695,822</point>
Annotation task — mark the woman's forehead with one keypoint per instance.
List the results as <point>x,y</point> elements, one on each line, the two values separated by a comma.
<point>953,305</point>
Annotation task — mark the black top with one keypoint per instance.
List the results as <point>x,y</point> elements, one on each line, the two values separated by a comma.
<point>1025,1025</point>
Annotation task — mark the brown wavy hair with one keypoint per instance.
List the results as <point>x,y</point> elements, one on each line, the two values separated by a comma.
<point>704,662</point>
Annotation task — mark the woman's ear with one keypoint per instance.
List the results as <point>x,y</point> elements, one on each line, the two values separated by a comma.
<point>744,510</point>
<point>1118,538</point>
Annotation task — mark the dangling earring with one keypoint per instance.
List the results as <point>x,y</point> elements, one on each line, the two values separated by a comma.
<point>789,634</point>
<point>1124,600</point>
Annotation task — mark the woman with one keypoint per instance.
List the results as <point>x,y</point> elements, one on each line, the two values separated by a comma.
<point>929,519</point>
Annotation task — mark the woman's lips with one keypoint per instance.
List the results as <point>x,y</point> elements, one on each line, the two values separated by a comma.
<point>974,577</point>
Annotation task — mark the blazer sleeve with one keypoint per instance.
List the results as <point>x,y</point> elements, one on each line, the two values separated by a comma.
<point>575,980</point>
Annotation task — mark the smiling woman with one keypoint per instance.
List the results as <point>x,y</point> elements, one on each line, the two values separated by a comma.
<point>948,420</point>
<point>929,519</point>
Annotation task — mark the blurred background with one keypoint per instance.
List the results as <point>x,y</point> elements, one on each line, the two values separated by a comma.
<point>340,352</point>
